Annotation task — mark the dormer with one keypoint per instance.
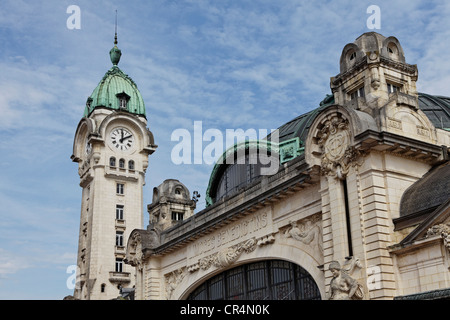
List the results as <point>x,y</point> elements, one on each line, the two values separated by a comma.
<point>372,70</point>
<point>171,204</point>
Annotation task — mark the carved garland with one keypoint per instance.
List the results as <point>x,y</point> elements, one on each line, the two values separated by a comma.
<point>226,257</point>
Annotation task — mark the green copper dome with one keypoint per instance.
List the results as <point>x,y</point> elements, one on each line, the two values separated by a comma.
<point>116,91</point>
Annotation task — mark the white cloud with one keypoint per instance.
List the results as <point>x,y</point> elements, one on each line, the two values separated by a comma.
<point>11,263</point>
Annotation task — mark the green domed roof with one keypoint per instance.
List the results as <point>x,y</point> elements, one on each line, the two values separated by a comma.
<point>116,91</point>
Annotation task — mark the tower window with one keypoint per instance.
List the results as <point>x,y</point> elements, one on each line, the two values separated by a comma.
<point>351,58</point>
<point>358,93</point>
<point>112,162</point>
<point>177,216</point>
<point>131,165</point>
<point>122,164</point>
<point>123,100</point>
<point>102,287</point>
<point>89,103</point>
<point>393,51</point>
<point>119,265</point>
<point>123,103</point>
<point>392,88</point>
<point>119,212</point>
<point>119,239</point>
<point>120,188</point>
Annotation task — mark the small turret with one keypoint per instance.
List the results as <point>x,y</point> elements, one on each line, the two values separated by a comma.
<point>372,68</point>
<point>171,204</point>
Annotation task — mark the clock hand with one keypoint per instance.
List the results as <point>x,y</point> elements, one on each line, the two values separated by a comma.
<point>125,138</point>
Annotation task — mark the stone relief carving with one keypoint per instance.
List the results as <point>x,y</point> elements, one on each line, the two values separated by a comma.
<point>337,154</point>
<point>172,280</point>
<point>342,285</point>
<point>140,240</point>
<point>134,254</point>
<point>443,230</point>
<point>351,264</point>
<point>308,232</point>
<point>228,256</point>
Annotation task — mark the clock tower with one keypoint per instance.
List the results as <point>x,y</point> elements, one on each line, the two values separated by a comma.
<point>111,146</point>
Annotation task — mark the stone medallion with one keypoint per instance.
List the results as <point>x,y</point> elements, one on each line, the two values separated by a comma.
<point>337,153</point>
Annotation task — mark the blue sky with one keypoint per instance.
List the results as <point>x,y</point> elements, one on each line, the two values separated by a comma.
<point>230,64</point>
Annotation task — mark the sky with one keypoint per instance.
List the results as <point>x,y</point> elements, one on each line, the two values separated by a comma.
<point>241,64</point>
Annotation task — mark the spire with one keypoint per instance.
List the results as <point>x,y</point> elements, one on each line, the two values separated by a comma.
<point>115,36</point>
<point>115,52</point>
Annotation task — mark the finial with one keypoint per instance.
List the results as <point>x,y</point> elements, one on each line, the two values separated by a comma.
<point>115,52</point>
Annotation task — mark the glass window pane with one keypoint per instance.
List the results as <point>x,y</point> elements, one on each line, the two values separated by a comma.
<point>274,279</point>
<point>200,293</point>
<point>235,284</point>
<point>216,287</point>
<point>257,281</point>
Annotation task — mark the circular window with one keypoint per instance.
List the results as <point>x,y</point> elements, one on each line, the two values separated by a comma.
<point>264,280</point>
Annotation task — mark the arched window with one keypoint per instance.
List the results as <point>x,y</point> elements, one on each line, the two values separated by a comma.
<point>112,162</point>
<point>351,56</point>
<point>240,174</point>
<point>122,164</point>
<point>263,280</point>
<point>393,51</point>
<point>131,165</point>
<point>102,287</point>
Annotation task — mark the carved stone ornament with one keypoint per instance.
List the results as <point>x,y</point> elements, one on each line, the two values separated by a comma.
<point>443,230</point>
<point>337,154</point>
<point>226,257</point>
<point>308,231</point>
<point>342,285</point>
<point>172,280</point>
<point>134,254</point>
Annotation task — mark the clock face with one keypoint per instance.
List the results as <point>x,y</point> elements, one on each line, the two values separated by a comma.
<point>122,138</point>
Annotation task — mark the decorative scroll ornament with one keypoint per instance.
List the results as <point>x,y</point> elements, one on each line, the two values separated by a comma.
<point>337,154</point>
<point>443,230</point>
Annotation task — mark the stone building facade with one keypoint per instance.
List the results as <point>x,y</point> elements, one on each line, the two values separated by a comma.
<point>360,201</point>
